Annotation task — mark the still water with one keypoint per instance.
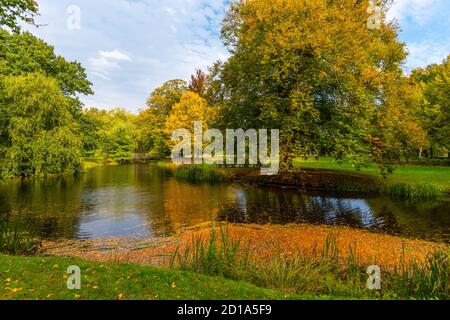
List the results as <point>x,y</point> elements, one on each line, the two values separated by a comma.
<point>143,201</point>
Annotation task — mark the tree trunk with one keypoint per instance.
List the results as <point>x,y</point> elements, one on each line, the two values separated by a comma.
<point>286,156</point>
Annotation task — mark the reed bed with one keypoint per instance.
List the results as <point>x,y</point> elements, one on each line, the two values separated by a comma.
<point>18,239</point>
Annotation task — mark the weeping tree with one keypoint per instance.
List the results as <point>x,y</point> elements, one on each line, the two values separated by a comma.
<point>39,133</point>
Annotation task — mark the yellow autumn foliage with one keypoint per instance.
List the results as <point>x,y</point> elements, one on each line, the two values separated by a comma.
<point>190,109</point>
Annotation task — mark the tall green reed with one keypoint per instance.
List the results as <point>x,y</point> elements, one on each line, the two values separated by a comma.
<point>17,238</point>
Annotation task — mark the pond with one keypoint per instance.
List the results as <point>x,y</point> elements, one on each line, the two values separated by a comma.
<point>143,201</point>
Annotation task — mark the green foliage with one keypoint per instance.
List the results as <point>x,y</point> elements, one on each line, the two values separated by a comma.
<point>428,281</point>
<point>152,137</point>
<point>163,98</point>
<point>23,53</point>
<point>197,174</point>
<point>40,109</point>
<point>14,11</point>
<point>206,256</point>
<point>434,110</point>
<point>314,70</point>
<point>38,135</point>
<point>56,151</point>
<point>403,190</point>
<point>108,135</point>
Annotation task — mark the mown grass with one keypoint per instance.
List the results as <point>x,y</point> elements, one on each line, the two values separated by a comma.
<point>406,181</point>
<point>305,274</point>
<point>45,278</point>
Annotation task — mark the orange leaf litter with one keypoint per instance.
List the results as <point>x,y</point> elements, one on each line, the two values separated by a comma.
<point>264,241</point>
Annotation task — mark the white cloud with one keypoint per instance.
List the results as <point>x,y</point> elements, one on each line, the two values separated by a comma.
<point>106,62</point>
<point>424,25</point>
<point>425,53</point>
<point>129,47</point>
<point>100,75</point>
<point>419,11</point>
<point>115,55</point>
<point>170,11</point>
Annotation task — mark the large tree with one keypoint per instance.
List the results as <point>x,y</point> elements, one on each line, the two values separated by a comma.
<point>313,69</point>
<point>190,109</point>
<point>164,97</point>
<point>151,121</point>
<point>38,132</point>
<point>14,11</point>
<point>434,111</point>
<point>24,53</point>
<point>108,134</point>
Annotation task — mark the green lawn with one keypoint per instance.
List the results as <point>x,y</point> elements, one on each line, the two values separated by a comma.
<point>44,278</point>
<point>413,175</point>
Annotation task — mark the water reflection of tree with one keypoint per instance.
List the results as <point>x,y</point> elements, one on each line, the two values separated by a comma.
<point>428,220</point>
<point>61,207</point>
<point>168,204</point>
<point>292,206</point>
<point>49,205</point>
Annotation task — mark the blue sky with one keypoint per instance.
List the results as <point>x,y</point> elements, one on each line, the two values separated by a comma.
<point>129,47</point>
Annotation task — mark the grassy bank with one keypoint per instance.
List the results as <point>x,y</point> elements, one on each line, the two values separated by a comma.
<point>436,176</point>
<point>408,182</point>
<point>300,260</point>
<point>324,271</point>
<point>45,278</point>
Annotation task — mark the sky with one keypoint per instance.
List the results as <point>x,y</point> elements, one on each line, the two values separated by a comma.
<point>130,47</point>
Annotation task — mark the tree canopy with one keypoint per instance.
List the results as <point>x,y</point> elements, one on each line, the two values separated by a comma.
<point>434,110</point>
<point>191,108</point>
<point>108,135</point>
<point>23,53</point>
<point>14,11</point>
<point>38,133</point>
<point>39,103</point>
<point>313,69</point>
<point>152,135</point>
